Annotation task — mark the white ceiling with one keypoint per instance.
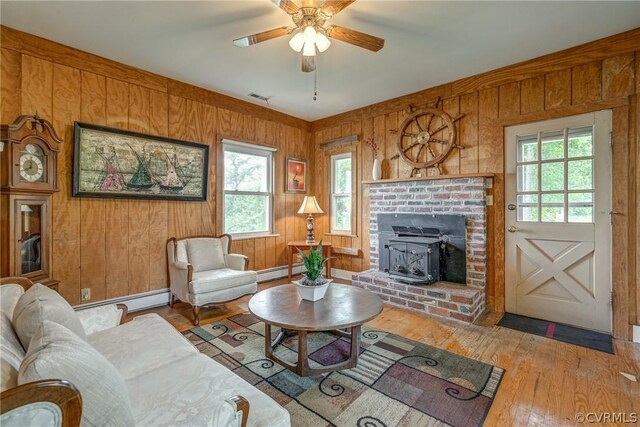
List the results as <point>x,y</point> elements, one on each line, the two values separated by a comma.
<point>427,43</point>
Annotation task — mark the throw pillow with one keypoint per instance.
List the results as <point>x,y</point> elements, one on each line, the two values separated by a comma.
<point>205,254</point>
<point>38,304</point>
<point>57,353</point>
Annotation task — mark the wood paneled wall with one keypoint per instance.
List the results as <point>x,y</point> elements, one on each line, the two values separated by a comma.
<point>117,247</point>
<point>601,75</point>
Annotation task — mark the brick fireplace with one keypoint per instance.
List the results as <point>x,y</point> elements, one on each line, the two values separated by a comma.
<point>432,196</point>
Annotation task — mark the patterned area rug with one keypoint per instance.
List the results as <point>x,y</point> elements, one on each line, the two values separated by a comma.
<point>398,382</point>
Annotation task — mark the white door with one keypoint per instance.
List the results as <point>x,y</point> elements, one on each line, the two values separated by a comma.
<point>557,220</point>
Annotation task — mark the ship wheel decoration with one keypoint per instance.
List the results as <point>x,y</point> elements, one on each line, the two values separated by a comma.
<point>426,138</point>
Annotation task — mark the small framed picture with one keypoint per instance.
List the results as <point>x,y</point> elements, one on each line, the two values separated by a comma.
<point>296,175</point>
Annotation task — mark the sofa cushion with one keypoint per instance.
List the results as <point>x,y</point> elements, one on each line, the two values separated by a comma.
<point>205,254</point>
<point>192,398</point>
<point>141,345</point>
<point>38,304</point>
<point>11,351</point>
<point>57,353</point>
<point>217,280</point>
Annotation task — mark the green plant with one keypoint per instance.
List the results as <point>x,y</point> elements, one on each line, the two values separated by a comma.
<point>314,263</point>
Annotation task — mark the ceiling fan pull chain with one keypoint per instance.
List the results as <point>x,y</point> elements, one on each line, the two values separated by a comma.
<point>315,85</point>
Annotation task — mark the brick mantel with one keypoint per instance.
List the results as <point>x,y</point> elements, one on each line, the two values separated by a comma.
<point>455,195</point>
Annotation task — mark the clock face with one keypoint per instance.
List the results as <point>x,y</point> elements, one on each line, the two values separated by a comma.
<point>32,164</point>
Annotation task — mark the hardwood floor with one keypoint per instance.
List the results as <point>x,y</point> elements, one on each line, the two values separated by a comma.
<point>546,382</point>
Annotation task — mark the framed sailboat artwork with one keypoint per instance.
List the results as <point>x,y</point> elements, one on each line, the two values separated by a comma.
<point>110,162</point>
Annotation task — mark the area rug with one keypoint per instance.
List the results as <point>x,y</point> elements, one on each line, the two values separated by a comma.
<point>398,382</point>
<point>559,331</point>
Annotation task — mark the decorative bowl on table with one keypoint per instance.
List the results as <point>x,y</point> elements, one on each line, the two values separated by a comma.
<point>312,292</point>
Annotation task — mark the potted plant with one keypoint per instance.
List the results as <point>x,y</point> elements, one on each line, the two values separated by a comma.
<point>313,285</point>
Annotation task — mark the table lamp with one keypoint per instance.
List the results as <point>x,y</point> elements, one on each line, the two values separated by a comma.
<point>310,207</point>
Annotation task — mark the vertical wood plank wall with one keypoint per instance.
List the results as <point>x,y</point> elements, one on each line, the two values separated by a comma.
<point>117,247</point>
<point>588,78</point>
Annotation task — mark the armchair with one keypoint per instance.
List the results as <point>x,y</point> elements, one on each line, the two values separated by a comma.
<point>203,272</point>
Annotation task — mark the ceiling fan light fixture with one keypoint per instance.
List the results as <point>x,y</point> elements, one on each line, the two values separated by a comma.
<point>309,49</point>
<point>297,42</point>
<point>322,42</point>
<point>310,34</point>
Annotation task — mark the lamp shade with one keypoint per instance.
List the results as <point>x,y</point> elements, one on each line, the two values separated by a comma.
<point>322,42</point>
<point>310,206</point>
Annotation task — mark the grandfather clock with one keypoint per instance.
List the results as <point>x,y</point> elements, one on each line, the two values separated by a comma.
<point>28,163</point>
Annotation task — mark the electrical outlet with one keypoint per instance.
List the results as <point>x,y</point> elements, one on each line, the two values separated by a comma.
<point>85,294</point>
<point>489,200</point>
<point>298,258</point>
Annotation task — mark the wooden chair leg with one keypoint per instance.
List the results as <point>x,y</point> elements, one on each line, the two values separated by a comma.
<point>172,301</point>
<point>196,315</point>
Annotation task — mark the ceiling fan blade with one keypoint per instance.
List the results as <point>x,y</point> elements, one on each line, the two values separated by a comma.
<point>287,5</point>
<point>308,63</point>
<point>355,38</point>
<point>261,37</point>
<point>331,7</point>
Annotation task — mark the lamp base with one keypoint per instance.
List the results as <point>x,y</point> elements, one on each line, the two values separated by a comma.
<point>310,237</point>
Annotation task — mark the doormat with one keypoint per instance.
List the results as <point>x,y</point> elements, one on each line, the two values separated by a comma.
<point>397,382</point>
<point>559,331</point>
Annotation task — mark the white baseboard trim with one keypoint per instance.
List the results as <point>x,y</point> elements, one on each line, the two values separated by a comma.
<point>342,274</point>
<point>160,297</point>
<point>636,333</point>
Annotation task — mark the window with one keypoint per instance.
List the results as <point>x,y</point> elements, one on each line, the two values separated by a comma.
<point>555,176</point>
<point>341,193</point>
<point>248,189</point>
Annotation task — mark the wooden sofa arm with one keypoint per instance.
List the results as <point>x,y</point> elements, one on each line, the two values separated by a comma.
<point>59,392</point>
<point>240,404</point>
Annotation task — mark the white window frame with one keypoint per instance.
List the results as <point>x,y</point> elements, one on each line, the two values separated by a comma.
<point>254,150</point>
<point>334,195</point>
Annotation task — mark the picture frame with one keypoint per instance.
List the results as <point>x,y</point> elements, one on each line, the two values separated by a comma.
<point>115,163</point>
<point>295,175</point>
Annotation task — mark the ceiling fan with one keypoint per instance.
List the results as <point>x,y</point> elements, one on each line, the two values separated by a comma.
<point>310,32</point>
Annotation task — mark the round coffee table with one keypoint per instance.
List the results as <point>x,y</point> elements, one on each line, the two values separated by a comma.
<point>343,307</point>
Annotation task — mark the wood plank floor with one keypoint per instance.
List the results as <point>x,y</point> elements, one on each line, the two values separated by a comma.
<point>546,382</point>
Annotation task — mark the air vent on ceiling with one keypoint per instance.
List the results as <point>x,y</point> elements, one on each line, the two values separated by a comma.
<point>260,97</point>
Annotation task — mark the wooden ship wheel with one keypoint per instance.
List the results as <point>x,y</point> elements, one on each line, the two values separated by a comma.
<point>426,138</point>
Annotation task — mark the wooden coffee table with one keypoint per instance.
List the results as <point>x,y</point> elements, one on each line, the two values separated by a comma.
<point>343,307</point>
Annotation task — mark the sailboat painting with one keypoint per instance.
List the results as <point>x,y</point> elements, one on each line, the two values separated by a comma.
<point>116,163</point>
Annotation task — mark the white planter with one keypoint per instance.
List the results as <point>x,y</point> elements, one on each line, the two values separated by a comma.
<point>377,169</point>
<point>311,293</point>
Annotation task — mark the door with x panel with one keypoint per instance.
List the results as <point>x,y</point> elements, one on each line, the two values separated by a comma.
<point>557,220</point>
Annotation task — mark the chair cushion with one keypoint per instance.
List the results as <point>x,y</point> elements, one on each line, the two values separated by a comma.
<point>38,304</point>
<point>205,253</point>
<point>189,392</point>
<point>141,345</point>
<point>217,280</point>
<point>57,353</point>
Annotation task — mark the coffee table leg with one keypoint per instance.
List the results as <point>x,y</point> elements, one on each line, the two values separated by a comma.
<point>355,346</point>
<point>267,340</point>
<point>302,368</point>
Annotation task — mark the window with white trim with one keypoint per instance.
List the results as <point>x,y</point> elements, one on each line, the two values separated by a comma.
<point>248,189</point>
<point>555,176</point>
<point>341,193</point>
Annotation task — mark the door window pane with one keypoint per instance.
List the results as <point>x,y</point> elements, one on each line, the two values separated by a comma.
<point>528,177</point>
<point>528,207</point>
<point>552,145</point>
<point>581,142</point>
<point>552,213</point>
<point>552,176</point>
<point>528,148</point>
<point>580,207</point>
<point>580,174</point>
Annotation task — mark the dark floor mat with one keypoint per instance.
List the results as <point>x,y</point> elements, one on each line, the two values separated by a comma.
<point>558,331</point>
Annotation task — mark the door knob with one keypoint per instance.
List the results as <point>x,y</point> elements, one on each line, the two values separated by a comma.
<point>512,229</point>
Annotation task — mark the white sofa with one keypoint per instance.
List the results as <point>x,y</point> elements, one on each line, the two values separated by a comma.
<point>168,381</point>
<point>203,272</point>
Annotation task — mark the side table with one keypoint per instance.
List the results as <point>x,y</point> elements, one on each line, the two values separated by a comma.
<point>302,245</point>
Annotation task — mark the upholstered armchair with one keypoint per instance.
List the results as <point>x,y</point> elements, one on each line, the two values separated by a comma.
<point>203,272</point>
